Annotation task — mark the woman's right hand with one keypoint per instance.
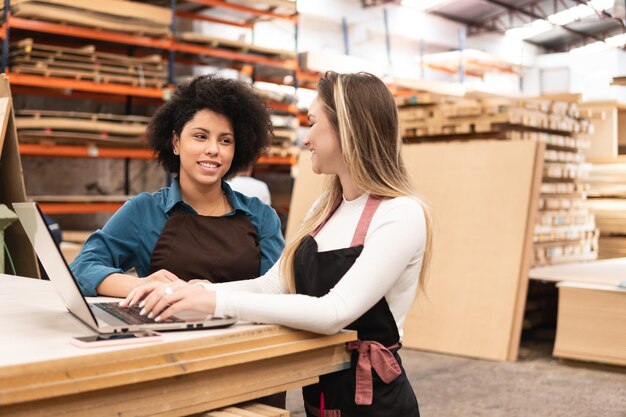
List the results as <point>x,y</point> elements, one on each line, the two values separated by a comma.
<point>146,288</point>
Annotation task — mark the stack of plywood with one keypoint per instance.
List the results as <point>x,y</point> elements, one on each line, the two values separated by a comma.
<point>115,15</point>
<point>565,230</point>
<point>80,128</point>
<point>592,309</point>
<point>235,45</point>
<point>607,192</point>
<point>85,63</point>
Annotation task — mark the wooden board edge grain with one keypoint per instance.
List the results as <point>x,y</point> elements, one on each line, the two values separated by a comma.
<point>527,254</point>
<point>100,371</point>
<point>197,391</point>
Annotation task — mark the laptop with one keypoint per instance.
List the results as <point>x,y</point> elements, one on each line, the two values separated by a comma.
<point>106,317</point>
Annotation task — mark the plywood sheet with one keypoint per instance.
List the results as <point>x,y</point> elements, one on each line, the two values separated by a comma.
<point>483,197</point>
<point>607,272</point>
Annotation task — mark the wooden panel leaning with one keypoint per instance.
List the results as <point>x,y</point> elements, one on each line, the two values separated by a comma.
<point>483,196</point>
<point>12,187</point>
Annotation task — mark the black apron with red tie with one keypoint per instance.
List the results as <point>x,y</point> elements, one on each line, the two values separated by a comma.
<point>220,249</point>
<point>375,384</point>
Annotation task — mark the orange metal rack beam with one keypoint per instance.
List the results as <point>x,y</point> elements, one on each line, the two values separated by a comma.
<point>158,43</point>
<point>67,83</point>
<point>233,55</point>
<point>79,208</point>
<point>34,149</point>
<point>88,33</point>
<point>277,160</point>
<point>241,8</point>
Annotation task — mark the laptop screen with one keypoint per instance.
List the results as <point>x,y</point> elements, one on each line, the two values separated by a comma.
<point>53,262</point>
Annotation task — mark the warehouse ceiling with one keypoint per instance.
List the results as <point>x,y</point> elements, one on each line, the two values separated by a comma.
<point>558,25</point>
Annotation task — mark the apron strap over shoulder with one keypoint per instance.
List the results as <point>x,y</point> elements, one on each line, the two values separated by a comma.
<point>364,222</point>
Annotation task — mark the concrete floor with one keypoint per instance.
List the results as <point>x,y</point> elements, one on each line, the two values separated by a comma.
<point>537,385</point>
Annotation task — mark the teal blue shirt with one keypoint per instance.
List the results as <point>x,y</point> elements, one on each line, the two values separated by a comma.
<point>127,240</point>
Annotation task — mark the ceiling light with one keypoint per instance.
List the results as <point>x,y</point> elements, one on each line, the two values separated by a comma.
<point>592,47</point>
<point>616,41</point>
<point>601,5</point>
<point>572,14</point>
<point>528,31</point>
<point>421,4</point>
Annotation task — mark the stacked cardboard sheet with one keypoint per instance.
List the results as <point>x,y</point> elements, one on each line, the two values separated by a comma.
<point>80,128</point>
<point>85,63</point>
<point>115,15</point>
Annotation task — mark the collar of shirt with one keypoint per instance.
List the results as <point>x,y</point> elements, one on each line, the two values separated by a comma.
<point>175,197</point>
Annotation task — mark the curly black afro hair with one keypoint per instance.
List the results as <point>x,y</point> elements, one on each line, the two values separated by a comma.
<point>239,102</point>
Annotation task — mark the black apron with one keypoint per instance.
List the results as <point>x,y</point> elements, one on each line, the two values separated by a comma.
<point>220,249</point>
<point>387,392</point>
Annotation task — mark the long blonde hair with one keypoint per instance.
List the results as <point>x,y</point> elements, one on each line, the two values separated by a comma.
<point>364,115</point>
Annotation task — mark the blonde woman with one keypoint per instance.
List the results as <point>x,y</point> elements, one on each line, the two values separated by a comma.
<point>356,262</point>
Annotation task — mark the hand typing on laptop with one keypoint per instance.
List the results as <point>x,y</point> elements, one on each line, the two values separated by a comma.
<point>163,300</point>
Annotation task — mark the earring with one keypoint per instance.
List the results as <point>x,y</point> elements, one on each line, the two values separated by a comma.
<point>175,152</point>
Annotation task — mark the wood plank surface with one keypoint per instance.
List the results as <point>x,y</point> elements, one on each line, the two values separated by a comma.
<point>186,373</point>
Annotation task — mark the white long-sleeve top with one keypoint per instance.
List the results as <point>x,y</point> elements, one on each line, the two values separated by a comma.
<point>389,266</point>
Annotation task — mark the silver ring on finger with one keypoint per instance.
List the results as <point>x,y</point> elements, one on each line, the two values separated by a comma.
<point>168,290</point>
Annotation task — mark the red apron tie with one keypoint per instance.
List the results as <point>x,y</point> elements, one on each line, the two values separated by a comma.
<point>372,354</point>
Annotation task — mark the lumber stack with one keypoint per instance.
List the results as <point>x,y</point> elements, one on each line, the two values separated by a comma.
<point>607,192</point>
<point>565,230</point>
<point>78,128</point>
<point>131,17</point>
<point>85,63</point>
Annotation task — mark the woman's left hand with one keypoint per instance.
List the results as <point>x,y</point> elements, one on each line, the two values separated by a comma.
<point>166,301</point>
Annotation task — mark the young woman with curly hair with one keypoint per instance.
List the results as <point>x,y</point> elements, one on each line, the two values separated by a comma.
<point>197,228</point>
<point>356,262</point>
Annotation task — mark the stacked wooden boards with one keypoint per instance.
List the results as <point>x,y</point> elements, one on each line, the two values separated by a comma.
<point>116,15</point>
<point>80,128</point>
<point>607,192</point>
<point>235,45</point>
<point>483,197</point>
<point>591,323</point>
<point>565,230</point>
<point>86,63</point>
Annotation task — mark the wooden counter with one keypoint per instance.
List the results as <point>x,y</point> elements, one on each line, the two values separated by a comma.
<point>188,372</point>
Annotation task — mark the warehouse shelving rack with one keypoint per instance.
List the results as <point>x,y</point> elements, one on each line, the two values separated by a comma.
<point>56,86</point>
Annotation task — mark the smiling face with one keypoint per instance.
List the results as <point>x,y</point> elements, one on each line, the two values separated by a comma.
<point>206,147</point>
<point>322,141</point>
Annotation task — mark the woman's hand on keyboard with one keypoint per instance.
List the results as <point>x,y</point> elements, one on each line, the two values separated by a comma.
<point>142,291</point>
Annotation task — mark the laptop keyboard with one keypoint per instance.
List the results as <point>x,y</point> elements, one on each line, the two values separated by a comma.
<point>131,315</point>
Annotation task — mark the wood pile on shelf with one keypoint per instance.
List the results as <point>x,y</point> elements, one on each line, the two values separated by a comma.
<point>79,128</point>
<point>607,192</point>
<point>85,63</point>
<point>116,15</point>
<point>235,45</point>
<point>565,229</point>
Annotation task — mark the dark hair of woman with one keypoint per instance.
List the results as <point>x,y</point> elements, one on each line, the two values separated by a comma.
<point>239,102</point>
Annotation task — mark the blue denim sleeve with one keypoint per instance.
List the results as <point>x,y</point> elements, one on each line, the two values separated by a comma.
<point>271,239</point>
<point>113,249</point>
